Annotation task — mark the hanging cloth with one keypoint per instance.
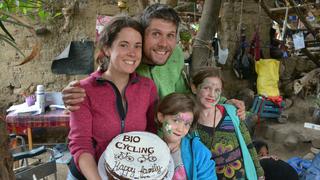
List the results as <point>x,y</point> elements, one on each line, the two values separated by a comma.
<point>76,58</point>
<point>255,49</point>
<point>223,54</point>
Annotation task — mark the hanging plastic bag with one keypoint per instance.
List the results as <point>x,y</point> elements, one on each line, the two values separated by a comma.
<point>223,54</point>
<point>298,41</point>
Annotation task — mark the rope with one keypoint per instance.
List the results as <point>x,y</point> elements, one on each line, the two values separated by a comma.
<point>259,16</point>
<point>239,26</point>
<point>241,16</point>
<point>204,44</point>
<point>194,12</point>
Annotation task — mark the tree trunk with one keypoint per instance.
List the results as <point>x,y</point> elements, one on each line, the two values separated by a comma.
<point>6,162</point>
<point>208,26</point>
<point>309,79</point>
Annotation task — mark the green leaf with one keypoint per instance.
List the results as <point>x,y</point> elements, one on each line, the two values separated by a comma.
<point>24,10</point>
<point>2,36</point>
<point>11,43</point>
<point>39,10</point>
<point>5,30</point>
<point>57,14</point>
<point>42,14</point>
<point>39,3</point>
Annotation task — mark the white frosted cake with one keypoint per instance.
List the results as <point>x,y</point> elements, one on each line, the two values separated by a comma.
<point>137,155</point>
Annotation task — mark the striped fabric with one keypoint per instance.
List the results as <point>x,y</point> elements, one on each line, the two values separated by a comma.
<point>55,118</point>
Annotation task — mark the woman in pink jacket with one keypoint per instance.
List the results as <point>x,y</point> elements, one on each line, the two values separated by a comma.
<point>117,99</point>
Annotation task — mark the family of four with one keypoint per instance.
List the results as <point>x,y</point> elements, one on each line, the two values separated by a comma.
<point>140,86</point>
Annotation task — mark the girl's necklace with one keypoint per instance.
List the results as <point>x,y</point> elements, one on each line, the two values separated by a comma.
<point>214,125</point>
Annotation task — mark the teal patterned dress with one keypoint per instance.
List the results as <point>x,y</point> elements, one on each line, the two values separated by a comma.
<point>225,148</point>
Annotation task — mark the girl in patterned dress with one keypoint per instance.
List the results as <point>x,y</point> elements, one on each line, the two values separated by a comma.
<point>217,131</point>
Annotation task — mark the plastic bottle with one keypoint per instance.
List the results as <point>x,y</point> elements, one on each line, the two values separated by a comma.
<point>40,98</point>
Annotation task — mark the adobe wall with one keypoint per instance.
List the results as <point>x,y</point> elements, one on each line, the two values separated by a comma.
<point>229,33</point>
<point>15,80</point>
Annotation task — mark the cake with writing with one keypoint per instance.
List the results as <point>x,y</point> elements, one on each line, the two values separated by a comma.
<point>137,155</point>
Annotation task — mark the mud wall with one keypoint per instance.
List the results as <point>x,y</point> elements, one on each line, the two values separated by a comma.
<point>18,80</point>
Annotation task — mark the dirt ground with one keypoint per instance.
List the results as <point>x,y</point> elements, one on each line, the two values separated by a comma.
<point>278,149</point>
<point>62,171</point>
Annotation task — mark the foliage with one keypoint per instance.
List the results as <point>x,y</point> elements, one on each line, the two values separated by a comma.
<point>42,11</point>
<point>185,36</point>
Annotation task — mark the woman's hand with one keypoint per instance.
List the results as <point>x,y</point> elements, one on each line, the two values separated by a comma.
<point>72,95</point>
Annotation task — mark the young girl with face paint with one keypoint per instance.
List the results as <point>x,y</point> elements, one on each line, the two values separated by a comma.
<point>192,160</point>
<point>218,133</point>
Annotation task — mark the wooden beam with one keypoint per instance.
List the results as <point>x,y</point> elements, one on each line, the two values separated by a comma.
<point>303,19</point>
<point>268,12</point>
<point>314,58</point>
<point>298,30</point>
<point>282,10</point>
<point>302,6</point>
<point>312,43</point>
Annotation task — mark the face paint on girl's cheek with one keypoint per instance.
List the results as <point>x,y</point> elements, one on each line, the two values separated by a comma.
<point>211,90</point>
<point>186,117</point>
<point>217,96</point>
<point>166,127</point>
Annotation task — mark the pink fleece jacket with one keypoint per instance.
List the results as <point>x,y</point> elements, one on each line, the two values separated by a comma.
<point>98,120</point>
